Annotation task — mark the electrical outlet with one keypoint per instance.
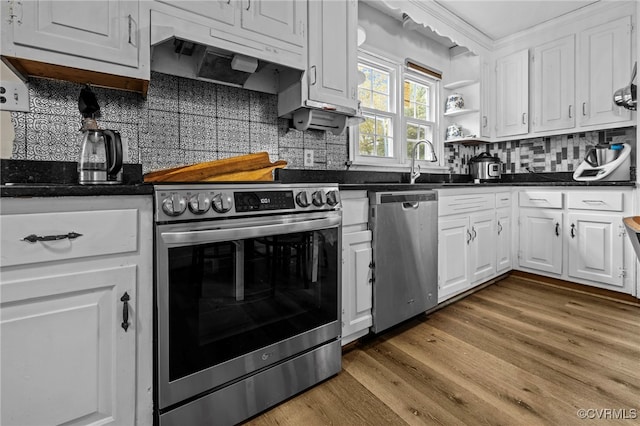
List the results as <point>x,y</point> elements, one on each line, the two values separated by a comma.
<point>14,96</point>
<point>308,157</point>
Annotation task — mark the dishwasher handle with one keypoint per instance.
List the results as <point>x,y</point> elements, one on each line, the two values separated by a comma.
<point>406,198</point>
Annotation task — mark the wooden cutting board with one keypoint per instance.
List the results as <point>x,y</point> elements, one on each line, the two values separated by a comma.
<point>250,167</point>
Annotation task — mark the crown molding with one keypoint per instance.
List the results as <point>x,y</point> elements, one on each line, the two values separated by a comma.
<point>444,23</point>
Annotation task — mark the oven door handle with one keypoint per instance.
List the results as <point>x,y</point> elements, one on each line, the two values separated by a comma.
<point>249,231</point>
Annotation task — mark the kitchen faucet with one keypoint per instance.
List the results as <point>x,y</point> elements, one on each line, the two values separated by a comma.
<point>431,156</point>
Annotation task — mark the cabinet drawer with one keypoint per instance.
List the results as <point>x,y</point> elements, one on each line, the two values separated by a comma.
<point>547,200</point>
<point>465,203</point>
<point>587,200</point>
<point>96,229</point>
<point>503,199</point>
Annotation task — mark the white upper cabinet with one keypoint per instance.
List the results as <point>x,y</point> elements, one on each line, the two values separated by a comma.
<point>220,10</point>
<point>279,19</point>
<point>104,30</point>
<point>604,66</point>
<point>80,41</point>
<point>512,103</point>
<point>486,117</point>
<point>554,85</point>
<point>332,71</point>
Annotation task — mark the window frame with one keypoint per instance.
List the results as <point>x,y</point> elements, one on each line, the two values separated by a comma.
<point>401,157</point>
<point>434,90</point>
<point>393,70</point>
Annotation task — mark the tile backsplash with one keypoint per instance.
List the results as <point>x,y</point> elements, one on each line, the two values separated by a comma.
<point>185,121</point>
<point>561,153</point>
<point>181,121</point>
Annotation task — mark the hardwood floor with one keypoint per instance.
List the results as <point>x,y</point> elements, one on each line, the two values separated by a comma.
<point>515,353</point>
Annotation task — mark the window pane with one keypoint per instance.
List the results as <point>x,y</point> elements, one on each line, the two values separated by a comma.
<point>381,102</point>
<point>415,133</point>
<point>416,100</point>
<point>380,81</point>
<point>366,144</point>
<point>367,73</point>
<point>365,98</point>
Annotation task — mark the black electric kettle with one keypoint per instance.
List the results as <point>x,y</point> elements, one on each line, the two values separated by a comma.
<point>100,155</point>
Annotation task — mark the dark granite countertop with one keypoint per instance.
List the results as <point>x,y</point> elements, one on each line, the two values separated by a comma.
<point>398,181</point>
<point>27,178</point>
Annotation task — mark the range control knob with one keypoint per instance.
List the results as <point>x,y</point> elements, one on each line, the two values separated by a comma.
<point>222,202</point>
<point>199,203</point>
<point>319,198</point>
<point>174,205</point>
<point>302,199</point>
<point>333,198</point>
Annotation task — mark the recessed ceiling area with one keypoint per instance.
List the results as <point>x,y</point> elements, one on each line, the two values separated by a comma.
<point>501,18</point>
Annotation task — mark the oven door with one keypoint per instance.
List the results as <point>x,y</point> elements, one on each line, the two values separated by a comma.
<point>237,295</point>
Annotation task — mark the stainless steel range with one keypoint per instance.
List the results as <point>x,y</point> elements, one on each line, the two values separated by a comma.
<point>247,297</point>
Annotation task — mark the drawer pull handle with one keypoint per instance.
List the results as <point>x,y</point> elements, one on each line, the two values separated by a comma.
<point>125,310</point>
<point>593,201</point>
<point>538,199</point>
<point>557,229</point>
<point>33,238</point>
<point>499,227</point>
<point>573,230</point>
<point>473,229</point>
<point>469,237</point>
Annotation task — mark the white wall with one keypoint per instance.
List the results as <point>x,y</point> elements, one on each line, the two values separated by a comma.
<point>387,37</point>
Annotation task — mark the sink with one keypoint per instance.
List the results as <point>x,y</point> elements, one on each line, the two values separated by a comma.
<point>633,231</point>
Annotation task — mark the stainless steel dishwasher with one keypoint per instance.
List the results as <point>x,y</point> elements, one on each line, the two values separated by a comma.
<point>405,254</point>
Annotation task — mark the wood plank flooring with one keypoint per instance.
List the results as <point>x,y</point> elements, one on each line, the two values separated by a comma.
<point>518,352</point>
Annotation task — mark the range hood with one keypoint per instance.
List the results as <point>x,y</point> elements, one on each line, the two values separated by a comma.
<point>190,50</point>
<point>185,58</point>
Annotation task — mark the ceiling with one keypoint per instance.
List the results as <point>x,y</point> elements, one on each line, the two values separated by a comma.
<point>501,18</point>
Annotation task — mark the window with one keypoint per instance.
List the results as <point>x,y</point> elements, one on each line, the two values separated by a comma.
<point>399,109</point>
<point>418,113</point>
<point>376,133</point>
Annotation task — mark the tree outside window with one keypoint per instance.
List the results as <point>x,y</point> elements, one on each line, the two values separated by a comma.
<point>376,132</point>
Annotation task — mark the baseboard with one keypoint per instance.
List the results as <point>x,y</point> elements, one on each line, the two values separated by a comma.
<point>581,288</point>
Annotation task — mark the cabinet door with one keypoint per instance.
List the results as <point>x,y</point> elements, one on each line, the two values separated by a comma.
<point>554,85</point>
<point>596,244</point>
<point>512,79</point>
<point>105,30</point>
<point>605,66</point>
<point>503,240</point>
<point>219,10</point>
<point>485,100</point>
<point>356,283</point>
<point>65,357</point>
<point>279,19</point>
<point>333,52</point>
<point>482,257</point>
<point>541,240</point>
<point>454,238</point>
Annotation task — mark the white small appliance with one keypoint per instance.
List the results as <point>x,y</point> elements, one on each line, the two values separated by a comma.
<point>605,163</point>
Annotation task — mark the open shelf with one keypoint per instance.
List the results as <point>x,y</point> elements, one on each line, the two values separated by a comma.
<point>459,112</point>
<point>457,84</point>
<point>467,140</point>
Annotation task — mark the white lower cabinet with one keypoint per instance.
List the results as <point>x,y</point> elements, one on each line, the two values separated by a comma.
<point>578,236</point>
<point>596,248</point>
<point>453,256</point>
<point>469,245</point>
<point>541,240</point>
<point>482,245</point>
<point>357,284</point>
<point>76,310</point>
<point>65,356</point>
<point>503,240</point>
<point>356,266</point>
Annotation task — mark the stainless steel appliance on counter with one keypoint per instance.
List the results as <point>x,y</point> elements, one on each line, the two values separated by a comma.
<point>247,297</point>
<point>405,255</point>
<point>485,167</point>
